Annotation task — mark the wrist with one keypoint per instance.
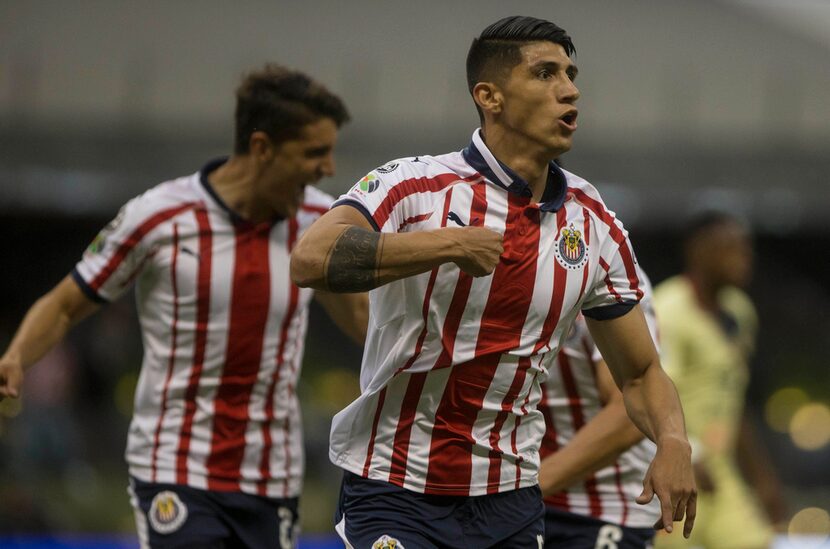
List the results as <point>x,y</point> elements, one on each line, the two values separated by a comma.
<point>449,246</point>
<point>676,441</point>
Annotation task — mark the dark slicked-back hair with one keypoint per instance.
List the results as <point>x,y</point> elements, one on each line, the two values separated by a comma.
<point>497,49</point>
<point>280,102</point>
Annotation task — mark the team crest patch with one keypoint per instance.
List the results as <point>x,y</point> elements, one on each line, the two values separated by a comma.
<point>571,250</point>
<point>386,542</point>
<point>388,168</point>
<point>167,512</point>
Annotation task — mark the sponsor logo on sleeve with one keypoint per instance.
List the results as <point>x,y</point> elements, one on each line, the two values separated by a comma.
<point>98,244</point>
<point>167,512</point>
<point>368,184</point>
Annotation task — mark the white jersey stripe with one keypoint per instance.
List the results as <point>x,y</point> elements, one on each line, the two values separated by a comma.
<point>172,359</point>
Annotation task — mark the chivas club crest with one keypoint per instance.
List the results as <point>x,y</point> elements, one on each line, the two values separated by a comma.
<point>386,542</point>
<point>571,251</point>
<point>167,512</point>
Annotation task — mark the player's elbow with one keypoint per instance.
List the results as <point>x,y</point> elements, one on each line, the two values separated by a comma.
<point>307,267</point>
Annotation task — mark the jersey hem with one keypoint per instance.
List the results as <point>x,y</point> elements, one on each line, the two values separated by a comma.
<point>359,207</point>
<point>609,312</point>
<point>274,488</point>
<point>471,490</point>
<point>86,288</point>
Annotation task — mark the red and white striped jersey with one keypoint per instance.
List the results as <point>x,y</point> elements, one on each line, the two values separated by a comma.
<point>223,329</point>
<point>452,366</point>
<point>570,399</point>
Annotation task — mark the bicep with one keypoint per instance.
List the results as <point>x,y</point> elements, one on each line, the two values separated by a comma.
<point>337,219</point>
<point>625,344</point>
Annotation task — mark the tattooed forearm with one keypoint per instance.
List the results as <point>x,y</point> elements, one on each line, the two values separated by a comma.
<point>353,261</point>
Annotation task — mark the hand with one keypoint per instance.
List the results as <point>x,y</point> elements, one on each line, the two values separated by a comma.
<point>479,249</point>
<point>11,377</point>
<point>670,477</point>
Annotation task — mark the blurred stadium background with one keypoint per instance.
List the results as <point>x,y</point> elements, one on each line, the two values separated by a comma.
<point>686,104</point>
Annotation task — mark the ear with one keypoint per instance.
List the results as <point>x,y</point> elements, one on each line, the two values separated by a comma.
<point>260,146</point>
<point>488,97</point>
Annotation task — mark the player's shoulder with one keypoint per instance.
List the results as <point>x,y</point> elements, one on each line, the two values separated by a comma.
<point>579,187</point>
<point>674,292</point>
<point>737,302</point>
<point>421,168</point>
<point>180,193</point>
<point>587,195</point>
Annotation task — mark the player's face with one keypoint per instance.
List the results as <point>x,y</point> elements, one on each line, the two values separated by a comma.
<point>735,262</point>
<point>729,255</point>
<point>300,162</point>
<point>539,97</point>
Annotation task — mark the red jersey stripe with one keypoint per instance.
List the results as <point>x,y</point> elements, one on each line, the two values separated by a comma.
<point>608,283</point>
<point>200,341</point>
<point>251,291</point>
<point>504,315</point>
<point>381,399</point>
<point>578,422</point>
<point>414,219</point>
<point>412,186</point>
<point>557,298</point>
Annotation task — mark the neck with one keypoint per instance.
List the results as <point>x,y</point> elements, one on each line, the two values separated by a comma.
<point>235,183</point>
<point>526,158</point>
<point>706,290</point>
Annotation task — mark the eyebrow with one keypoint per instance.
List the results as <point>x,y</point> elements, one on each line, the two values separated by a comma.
<point>323,149</point>
<point>572,70</point>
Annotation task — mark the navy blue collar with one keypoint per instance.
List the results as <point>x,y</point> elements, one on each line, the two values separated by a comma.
<point>203,179</point>
<point>479,157</point>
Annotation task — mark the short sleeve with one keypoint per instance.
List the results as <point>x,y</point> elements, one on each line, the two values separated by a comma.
<point>400,193</point>
<point>376,197</point>
<point>617,287</point>
<point>116,255</point>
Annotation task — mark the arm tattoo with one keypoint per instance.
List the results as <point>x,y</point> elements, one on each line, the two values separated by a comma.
<point>353,261</point>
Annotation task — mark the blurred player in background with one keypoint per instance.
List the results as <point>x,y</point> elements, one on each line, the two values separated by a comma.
<point>478,262</point>
<point>707,334</point>
<point>215,449</point>
<point>594,458</point>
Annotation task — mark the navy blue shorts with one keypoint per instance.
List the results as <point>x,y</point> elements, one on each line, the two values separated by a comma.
<point>572,531</point>
<point>378,515</point>
<point>170,515</point>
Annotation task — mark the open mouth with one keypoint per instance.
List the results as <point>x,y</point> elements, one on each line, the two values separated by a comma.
<point>568,120</point>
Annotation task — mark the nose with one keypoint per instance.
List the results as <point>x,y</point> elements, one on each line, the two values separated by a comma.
<point>327,166</point>
<point>569,93</point>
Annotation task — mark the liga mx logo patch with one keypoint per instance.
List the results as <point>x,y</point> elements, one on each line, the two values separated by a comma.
<point>571,250</point>
<point>167,512</point>
<point>386,542</point>
<point>369,184</point>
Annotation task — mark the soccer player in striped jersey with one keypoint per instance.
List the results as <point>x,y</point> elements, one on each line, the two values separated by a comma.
<point>215,448</point>
<point>594,458</point>
<point>478,261</point>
